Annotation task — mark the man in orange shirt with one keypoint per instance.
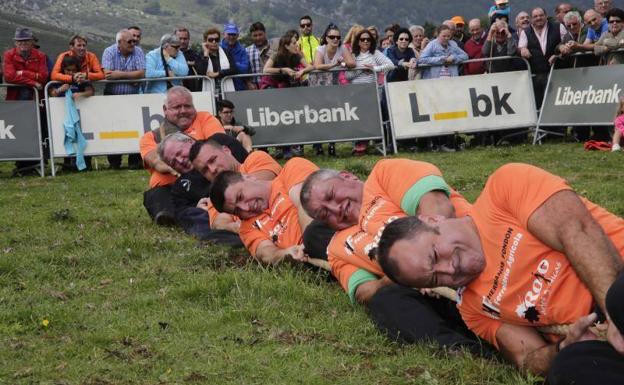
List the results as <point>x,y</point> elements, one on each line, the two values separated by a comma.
<point>180,117</point>
<point>530,253</point>
<point>360,210</point>
<point>90,68</point>
<point>210,157</point>
<point>271,214</point>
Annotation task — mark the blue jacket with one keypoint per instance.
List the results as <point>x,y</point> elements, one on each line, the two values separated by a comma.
<point>239,54</point>
<point>154,68</point>
<point>396,56</point>
<point>435,54</point>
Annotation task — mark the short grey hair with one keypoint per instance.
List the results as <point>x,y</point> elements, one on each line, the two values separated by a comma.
<point>313,179</point>
<point>175,137</point>
<point>415,28</point>
<point>177,90</point>
<point>120,33</point>
<point>169,39</point>
<point>572,14</point>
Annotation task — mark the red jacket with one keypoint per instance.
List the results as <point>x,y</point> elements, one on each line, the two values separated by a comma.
<point>474,51</point>
<point>34,70</point>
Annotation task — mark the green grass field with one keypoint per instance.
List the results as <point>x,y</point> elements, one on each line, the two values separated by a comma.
<point>92,293</point>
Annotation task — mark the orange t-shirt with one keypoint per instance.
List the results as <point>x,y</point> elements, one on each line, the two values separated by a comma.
<point>204,126</point>
<point>392,190</point>
<point>279,223</point>
<point>524,282</point>
<point>256,161</point>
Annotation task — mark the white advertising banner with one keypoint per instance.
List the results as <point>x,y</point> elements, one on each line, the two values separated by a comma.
<point>114,124</point>
<point>421,108</point>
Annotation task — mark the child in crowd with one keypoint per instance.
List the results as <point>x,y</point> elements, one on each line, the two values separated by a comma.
<point>80,87</point>
<point>618,124</point>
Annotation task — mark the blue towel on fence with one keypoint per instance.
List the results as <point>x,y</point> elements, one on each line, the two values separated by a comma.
<point>73,132</point>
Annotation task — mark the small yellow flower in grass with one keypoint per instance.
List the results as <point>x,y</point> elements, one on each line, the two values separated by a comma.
<point>168,370</point>
<point>45,322</point>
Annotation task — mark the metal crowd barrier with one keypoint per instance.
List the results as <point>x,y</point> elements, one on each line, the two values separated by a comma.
<point>16,143</point>
<point>363,94</point>
<point>531,100</point>
<point>208,84</point>
<point>541,133</point>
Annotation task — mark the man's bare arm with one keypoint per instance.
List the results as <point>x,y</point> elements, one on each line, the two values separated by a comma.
<point>564,223</point>
<point>304,218</point>
<point>436,203</point>
<point>367,290</point>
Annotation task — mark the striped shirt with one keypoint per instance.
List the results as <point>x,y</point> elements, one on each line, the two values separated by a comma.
<point>113,60</point>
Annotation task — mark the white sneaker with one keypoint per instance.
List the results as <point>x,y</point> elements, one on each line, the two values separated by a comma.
<point>616,147</point>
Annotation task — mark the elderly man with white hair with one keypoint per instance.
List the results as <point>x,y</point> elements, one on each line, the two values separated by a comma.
<point>165,61</point>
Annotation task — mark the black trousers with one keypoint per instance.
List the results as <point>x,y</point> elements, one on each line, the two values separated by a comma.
<point>593,362</point>
<point>406,316</point>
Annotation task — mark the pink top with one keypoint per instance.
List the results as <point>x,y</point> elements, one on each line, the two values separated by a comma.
<point>619,123</point>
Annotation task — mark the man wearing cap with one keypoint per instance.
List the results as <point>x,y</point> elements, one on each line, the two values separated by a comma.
<point>27,66</point>
<point>231,45</point>
<point>123,61</point>
<point>459,35</point>
<point>165,61</point>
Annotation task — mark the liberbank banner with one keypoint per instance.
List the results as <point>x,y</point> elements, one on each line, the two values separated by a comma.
<point>114,124</point>
<point>583,96</point>
<point>421,108</point>
<point>309,114</point>
<point>19,130</point>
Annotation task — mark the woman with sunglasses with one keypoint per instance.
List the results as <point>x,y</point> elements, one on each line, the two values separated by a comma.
<point>165,61</point>
<point>331,54</point>
<point>402,56</point>
<point>219,63</point>
<point>367,56</point>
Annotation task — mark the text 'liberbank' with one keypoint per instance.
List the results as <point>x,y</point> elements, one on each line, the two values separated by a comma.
<point>265,116</point>
<point>568,97</point>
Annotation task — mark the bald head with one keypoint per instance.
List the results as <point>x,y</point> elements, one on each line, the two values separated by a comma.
<point>475,29</point>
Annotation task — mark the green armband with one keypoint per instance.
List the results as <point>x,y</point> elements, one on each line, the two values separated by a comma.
<point>359,277</point>
<point>411,199</point>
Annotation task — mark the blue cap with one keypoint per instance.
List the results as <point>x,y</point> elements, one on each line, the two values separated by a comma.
<point>230,28</point>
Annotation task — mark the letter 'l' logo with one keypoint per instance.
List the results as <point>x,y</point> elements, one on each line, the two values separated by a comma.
<point>416,116</point>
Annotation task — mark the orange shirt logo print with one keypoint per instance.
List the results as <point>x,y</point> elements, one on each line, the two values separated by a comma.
<point>530,308</point>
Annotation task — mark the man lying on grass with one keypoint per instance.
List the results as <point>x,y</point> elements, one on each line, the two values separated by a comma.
<point>530,253</point>
<point>359,211</point>
<point>272,218</point>
<point>210,157</point>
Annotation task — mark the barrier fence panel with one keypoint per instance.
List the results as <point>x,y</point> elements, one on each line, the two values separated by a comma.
<point>114,124</point>
<point>306,115</point>
<point>472,103</point>
<point>20,130</point>
<point>581,97</point>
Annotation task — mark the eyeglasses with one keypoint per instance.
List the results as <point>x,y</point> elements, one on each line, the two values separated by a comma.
<point>175,46</point>
<point>227,111</point>
<point>333,37</point>
<point>212,39</point>
<point>365,39</point>
<point>615,21</point>
<point>132,41</point>
<point>305,25</point>
<point>232,34</point>
<point>403,39</point>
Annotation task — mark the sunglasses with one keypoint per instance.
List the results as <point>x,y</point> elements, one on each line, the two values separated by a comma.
<point>365,39</point>
<point>333,37</point>
<point>212,39</point>
<point>132,41</point>
<point>403,39</point>
<point>615,21</point>
<point>304,25</point>
<point>175,46</point>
